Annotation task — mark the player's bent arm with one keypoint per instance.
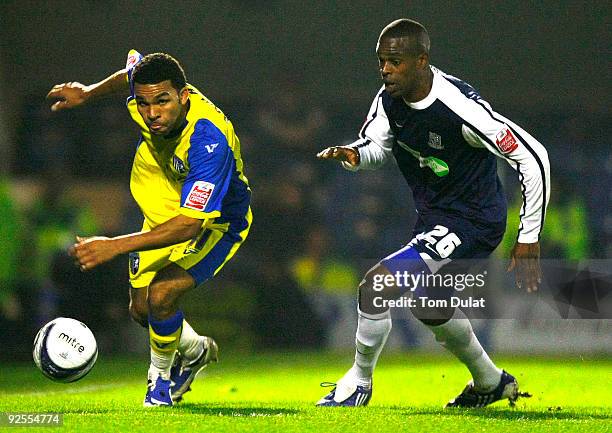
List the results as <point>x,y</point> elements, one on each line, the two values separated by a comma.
<point>376,138</point>
<point>91,252</point>
<point>73,94</point>
<point>527,157</point>
<point>374,146</point>
<point>114,83</point>
<point>174,231</point>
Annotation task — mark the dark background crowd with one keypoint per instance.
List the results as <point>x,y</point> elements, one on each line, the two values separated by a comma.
<point>317,227</point>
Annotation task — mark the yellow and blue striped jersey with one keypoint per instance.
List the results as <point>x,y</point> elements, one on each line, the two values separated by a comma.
<point>197,173</point>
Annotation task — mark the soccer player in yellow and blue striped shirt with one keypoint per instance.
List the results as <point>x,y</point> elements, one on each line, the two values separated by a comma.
<point>188,179</point>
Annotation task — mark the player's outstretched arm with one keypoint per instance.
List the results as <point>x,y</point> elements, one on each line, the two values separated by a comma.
<point>525,262</point>
<point>341,153</point>
<point>91,252</point>
<point>73,94</point>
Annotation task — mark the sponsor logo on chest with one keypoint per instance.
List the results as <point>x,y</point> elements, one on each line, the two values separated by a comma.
<point>438,166</point>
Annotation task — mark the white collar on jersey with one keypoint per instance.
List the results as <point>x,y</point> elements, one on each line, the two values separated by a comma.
<point>431,97</point>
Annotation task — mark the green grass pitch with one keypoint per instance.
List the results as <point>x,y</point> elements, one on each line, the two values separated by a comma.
<point>276,393</point>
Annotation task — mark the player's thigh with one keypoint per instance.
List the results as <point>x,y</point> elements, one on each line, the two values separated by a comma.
<point>190,268</point>
<point>170,272</point>
<point>142,269</point>
<point>389,279</point>
<point>216,250</point>
<point>405,270</point>
<point>144,265</point>
<point>169,284</point>
<point>443,249</point>
<point>439,244</point>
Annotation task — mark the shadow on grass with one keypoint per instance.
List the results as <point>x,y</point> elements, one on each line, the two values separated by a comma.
<point>514,414</point>
<point>198,409</point>
<point>247,411</point>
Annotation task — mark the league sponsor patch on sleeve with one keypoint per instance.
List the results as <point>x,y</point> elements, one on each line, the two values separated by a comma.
<point>505,141</point>
<point>199,195</point>
<point>133,58</point>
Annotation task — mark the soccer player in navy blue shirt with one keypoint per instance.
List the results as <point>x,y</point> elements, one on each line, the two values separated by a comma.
<point>445,140</point>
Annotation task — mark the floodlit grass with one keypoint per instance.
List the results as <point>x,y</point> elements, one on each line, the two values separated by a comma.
<point>276,393</point>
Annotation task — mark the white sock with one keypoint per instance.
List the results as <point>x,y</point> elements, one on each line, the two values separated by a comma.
<point>160,365</point>
<point>457,336</point>
<point>372,333</point>
<point>189,344</point>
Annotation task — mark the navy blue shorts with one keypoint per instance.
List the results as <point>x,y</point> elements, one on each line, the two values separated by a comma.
<point>443,245</point>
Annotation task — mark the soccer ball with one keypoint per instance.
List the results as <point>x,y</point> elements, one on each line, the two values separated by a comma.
<point>65,350</point>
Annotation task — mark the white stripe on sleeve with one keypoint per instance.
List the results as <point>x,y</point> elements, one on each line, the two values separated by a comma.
<point>375,141</point>
<point>483,127</point>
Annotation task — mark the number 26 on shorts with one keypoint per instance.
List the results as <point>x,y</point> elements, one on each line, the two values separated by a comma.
<point>443,241</point>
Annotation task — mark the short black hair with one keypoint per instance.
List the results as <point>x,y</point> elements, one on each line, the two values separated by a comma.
<point>407,28</point>
<point>157,67</point>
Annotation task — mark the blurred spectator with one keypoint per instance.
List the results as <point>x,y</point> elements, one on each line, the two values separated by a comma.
<point>373,212</point>
<point>10,235</point>
<point>566,232</point>
<point>44,140</point>
<point>97,142</point>
<point>290,122</point>
<point>329,281</point>
<point>54,222</point>
<point>580,151</point>
<point>107,143</point>
<point>283,317</point>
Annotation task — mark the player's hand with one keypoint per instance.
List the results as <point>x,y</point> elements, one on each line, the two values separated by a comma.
<point>93,251</point>
<point>67,95</point>
<point>341,153</point>
<point>526,265</point>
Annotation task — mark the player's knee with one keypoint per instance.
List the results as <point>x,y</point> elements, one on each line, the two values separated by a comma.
<point>139,313</point>
<point>160,301</point>
<point>161,298</point>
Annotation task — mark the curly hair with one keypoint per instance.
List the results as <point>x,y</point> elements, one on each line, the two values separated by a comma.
<point>157,67</point>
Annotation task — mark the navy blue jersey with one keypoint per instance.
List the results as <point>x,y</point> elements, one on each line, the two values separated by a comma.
<point>446,146</point>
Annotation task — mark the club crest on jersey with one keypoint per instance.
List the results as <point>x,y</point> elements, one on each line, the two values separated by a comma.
<point>134,262</point>
<point>505,141</point>
<point>199,195</point>
<point>435,141</point>
<point>178,165</point>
